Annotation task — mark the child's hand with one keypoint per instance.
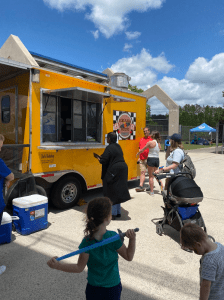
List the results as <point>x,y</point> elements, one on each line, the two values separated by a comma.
<point>130,234</point>
<point>53,263</point>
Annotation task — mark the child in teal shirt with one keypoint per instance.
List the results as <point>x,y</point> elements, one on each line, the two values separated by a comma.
<point>102,262</point>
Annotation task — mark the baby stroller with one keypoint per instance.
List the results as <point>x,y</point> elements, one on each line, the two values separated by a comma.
<point>180,201</point>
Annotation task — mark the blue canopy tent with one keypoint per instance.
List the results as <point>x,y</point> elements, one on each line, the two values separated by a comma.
<point>202,128</point>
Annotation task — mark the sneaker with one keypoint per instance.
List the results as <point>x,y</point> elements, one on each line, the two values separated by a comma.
<point>118,215</point>
<point>113,217</point>
<point>2,269</point>
<point>151,194</point>
<point>140,189</point>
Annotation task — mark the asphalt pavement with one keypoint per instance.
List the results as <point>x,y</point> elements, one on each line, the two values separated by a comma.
<point>159,270</point>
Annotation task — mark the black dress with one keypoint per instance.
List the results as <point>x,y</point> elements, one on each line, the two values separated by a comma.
<point>114,174</point>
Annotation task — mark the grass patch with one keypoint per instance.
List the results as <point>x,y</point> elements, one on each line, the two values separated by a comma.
<point>193,146</point>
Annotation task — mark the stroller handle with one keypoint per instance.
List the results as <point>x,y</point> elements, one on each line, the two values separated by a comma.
<point>169,175</point>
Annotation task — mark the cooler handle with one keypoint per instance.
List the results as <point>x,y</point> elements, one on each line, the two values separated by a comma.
<point>14,218</point>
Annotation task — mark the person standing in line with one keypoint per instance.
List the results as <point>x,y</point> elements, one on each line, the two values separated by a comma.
<point>153,158</point>
<point>114,174</point>
<point>143,158</point>
<point>103,278</point>
<point>176,155</point>
<point>194,238</point>
<point>5,177</point>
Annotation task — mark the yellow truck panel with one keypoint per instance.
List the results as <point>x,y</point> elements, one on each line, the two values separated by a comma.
<point>64,119</point>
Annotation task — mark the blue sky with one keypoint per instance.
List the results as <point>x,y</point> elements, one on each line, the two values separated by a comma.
<point>178,45</point>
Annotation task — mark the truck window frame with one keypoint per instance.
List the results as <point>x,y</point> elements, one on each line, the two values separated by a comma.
<point>97,106</point>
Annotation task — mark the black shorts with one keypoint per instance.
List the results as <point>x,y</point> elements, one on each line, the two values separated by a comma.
<point>153,162</point>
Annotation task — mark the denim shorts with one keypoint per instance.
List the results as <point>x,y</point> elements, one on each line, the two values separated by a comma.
<point>153,162</point>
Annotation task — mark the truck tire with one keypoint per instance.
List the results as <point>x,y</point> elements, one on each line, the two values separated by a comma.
<point>66,192</point>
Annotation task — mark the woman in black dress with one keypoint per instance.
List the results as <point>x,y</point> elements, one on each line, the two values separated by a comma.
<point>114,174</point>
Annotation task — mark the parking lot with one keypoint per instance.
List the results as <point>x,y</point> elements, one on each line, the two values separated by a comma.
<point>159,270</point>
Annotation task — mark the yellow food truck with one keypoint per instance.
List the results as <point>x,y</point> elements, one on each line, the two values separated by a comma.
<point>55,115</point>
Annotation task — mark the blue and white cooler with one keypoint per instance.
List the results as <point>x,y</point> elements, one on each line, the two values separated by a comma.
<point>6,228</point>
<point>32,212</point>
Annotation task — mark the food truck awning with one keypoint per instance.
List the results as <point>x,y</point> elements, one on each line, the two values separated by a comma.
<point>84,94</point>
<point>10,68</point>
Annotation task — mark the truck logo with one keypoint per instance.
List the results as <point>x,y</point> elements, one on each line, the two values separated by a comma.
<point>124,125</point>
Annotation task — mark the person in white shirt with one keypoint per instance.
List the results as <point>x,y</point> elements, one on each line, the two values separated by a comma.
<point>153,158</point>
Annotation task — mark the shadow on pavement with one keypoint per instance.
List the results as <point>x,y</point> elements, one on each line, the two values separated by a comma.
<point>27,276</point>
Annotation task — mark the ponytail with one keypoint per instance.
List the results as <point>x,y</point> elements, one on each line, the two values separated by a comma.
<point>97,211</point>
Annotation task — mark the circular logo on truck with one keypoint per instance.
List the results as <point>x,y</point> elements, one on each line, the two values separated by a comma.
<point>124,125</point>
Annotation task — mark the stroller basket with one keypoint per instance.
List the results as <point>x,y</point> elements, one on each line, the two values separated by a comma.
<point>184,190</point>
<point>187,212</point>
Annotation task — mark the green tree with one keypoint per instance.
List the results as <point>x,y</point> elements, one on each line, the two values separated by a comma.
<point>194,115</point>
<point>149,120</point>
<point>134,88</point>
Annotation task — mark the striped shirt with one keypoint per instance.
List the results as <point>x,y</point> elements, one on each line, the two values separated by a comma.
<point>212,269</point>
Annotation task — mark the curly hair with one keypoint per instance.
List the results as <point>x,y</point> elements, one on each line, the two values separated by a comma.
<point>97,211</point>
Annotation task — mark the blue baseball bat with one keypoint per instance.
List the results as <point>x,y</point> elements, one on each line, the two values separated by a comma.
<point>118,236</point>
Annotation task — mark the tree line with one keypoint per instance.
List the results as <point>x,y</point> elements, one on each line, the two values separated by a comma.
<point>189,114</point>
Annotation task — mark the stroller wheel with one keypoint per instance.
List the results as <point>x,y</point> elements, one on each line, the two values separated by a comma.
<point>159,229</point>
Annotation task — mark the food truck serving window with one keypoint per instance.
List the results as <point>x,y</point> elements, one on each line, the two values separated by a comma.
<point>65,119</point>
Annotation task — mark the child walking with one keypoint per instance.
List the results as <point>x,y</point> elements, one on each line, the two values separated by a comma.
<point>102,262</point>
<point>194,238</point>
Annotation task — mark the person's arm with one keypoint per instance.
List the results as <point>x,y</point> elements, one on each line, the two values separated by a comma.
<point>9,178</point>
<point>150,144</point>
<point>70,268</point>
<point>105,157</point>
<point>128,253</point>
<point>173,166</point>
<point>167,169</point>
<point>159,145</point>
<point>205,289</point>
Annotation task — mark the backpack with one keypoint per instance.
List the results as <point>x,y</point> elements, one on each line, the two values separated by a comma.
<point>188,166</point>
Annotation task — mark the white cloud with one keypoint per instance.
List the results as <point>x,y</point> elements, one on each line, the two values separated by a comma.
<point>108,16</point>
<point>208,72</point>
<point>127,47</point>
<point>95,34</point>
<point>203,83</point>
<point>132,35</point>
<point>143,68</point>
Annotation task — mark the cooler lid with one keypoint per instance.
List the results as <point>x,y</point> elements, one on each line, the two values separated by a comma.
<point>29,201</point>
<point>6,218</point>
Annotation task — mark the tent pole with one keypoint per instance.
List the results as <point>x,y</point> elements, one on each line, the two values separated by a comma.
<point>217,138</point>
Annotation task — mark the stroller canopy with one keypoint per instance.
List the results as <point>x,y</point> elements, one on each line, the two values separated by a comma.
<point>183,187</point>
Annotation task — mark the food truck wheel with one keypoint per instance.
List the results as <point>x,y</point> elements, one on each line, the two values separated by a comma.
<point>66,192</point>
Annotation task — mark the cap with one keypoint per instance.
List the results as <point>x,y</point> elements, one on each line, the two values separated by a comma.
<point>175,137</point>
